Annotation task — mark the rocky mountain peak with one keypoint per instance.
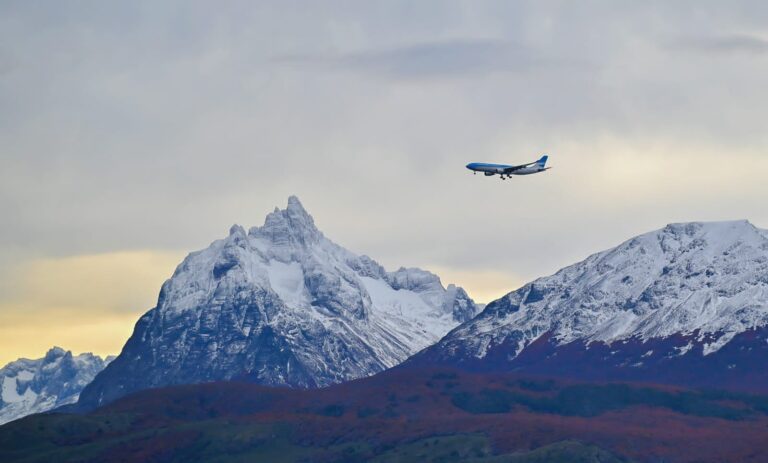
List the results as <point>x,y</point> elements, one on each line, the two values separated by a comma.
<point>55,353</point>
<point>686,237</point>
<point>237,231</point>
<point>292,226</point>
<point>281,305</point>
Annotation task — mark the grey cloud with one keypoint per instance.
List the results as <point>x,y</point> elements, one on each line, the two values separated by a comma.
<point>432,60</point>
<point>7,64</point>
<point>728,43</point>
<point>143,126</point>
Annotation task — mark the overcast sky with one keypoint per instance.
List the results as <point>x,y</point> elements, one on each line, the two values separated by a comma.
<point>134,132</point>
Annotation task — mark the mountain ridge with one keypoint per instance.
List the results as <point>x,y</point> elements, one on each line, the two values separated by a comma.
<point>702,283</point>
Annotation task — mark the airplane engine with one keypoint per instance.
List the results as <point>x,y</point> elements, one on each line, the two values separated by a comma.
<point>488,174</point>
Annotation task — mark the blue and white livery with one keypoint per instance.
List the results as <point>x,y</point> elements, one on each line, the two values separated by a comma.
<point>505,170</point>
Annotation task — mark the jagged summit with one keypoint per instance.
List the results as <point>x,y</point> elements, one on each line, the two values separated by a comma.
<point>281,305</point>
<point>297,209</point>
<point>56,352</point>
<point>290,225</point>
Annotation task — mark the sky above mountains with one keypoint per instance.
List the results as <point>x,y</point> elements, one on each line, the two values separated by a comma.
<point>134,133</point>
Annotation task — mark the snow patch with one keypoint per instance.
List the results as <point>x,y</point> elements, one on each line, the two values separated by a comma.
<point>287,280</point>
<point>409,307</point>
<point>10,388</point>
<point>718,343</point>
<point>685,349</point>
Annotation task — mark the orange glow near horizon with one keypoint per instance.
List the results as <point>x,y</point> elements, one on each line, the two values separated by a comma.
<point>81,303</point>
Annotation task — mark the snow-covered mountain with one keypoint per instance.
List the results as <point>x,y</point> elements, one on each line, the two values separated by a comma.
<point>34,386</point>
<point>641,310</point>
<point>281,305</point>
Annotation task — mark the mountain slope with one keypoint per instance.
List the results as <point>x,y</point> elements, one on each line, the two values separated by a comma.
<point>647,309</point>
<point>281,305</point>
<point>35,386</point>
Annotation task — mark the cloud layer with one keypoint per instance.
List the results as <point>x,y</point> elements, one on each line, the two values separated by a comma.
<point>146,126</point>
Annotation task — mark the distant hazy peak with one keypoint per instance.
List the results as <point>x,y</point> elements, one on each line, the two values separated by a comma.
<point>38,385</point>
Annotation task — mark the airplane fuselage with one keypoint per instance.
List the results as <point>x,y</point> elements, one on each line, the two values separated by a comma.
<point>500,169</point>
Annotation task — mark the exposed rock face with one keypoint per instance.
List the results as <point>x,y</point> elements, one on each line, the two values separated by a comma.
<point>35,386</point>
<point>651,309</point>
<point>281,305</point>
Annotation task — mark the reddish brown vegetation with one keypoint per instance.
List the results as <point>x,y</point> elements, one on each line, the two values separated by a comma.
<point>403,406</point>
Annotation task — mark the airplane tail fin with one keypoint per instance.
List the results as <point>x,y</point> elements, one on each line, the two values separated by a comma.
<point>543,161</point>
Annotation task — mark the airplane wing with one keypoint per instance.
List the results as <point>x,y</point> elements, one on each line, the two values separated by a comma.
<point>541,162</point>
<point>511,169</point>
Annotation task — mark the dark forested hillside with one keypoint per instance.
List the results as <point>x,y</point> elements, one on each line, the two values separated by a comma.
<point>432,415</point>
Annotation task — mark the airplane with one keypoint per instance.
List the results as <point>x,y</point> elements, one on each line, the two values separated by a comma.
<point>505,170</point>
